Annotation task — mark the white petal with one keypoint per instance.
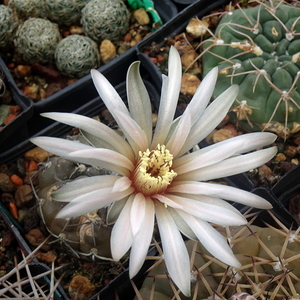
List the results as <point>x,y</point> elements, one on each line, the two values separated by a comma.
<point>212,116</point>
<point>121,184</point>
<point>220,191</point>
<point>210,209</point>
<point>121,235</point>
<point>203,94</point>
<point>212,240</point>
<point>83,186</point>
<point>219,151</point>
<point>137,213</point>
<point>132,131</point>
<point>167,201</point>
<point>108,94</point>
<point>182,225</point>
<point>57,146</point>
<point>180,133</point>
<point>142,240</point>
<point>96,128</point>
<point>231,166</point>
<point>139,100</point>
<point>91,201</point>
<point>175,253</point>
<point>104,158</point>
<point>169,98</point>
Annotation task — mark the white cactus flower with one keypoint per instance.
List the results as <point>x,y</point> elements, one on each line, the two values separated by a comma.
<point>157,177</point>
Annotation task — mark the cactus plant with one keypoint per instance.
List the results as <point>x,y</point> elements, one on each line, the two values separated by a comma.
<point>36,40</point>
<point>28,8</point>
<point>270,269</point>
<point>100,18</point>
<point>8,25</point>
<point>65,11</point>
<point>258,48</point>
<point>85,236</point>
<point>76,55</point>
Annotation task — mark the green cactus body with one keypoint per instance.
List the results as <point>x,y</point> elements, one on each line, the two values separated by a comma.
<point>28,8</point>
<point>76,55</point>
<point>100,18</point>
<point>8,25</point>
<point>259,49</point>
<point>36,40</point>
<point>86,236</point>
<point>66,12</point>
<point>270,267</point>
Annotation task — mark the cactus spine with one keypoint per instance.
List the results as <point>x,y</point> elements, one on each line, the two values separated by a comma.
<point>258,48</point>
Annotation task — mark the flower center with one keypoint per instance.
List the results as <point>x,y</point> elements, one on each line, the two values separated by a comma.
<point>153,172</point>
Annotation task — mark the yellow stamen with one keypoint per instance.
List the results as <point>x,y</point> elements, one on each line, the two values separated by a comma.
<point>153,172</point>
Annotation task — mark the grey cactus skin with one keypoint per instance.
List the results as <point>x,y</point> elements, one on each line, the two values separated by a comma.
<point>259,49</point>
<point>76,55</point>
<point>28,8</point>
<point>8,25</point>
<point>67,12</point>
<point>100,18</point>
<point>86,236</point>
<point>36,40</point>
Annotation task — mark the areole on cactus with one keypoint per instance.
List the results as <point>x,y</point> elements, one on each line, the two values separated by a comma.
<point>258,48</point>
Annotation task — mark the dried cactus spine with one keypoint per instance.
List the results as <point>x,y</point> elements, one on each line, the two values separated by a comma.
<point>100,18</point>
<point>258,48</point>
<point>76,55</point>
<point>36,40</point>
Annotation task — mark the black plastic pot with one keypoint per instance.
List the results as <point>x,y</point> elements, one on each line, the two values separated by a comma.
<point>13,132</point>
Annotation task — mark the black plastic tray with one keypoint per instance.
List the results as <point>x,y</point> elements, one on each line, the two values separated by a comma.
<point>69,99</point>
<point>14,130</point>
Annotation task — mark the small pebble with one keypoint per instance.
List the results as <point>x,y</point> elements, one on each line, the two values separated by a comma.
<point>37,154</point>
<point>23,195</point>
<point>222,135</point>
<point>23,71</point>
<point>141,16</point>
<point>5,184</point>
<point>35,237</point>
<point>47,257</point>
<point>188,59</point>
<point>189,84</point>
<point>107,51</point>
<point>197,28</point>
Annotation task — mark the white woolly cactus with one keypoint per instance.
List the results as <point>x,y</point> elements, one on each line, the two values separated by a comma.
<point>8,25</point>
<point>28,8</point>
<point>105,19</point>
<point>65,11</point>
<point>76,55</point>
<point>36,40</point>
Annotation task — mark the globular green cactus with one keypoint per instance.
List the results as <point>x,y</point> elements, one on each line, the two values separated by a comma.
<point>28,8</point>
<point>36,40</point>
<point>65,11</point>
<point>270,267</point>
<point>86,236</point>
<point>259,49</point>
<point>100,18</point>
<point>8,25</point>
<point>76,55</point>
